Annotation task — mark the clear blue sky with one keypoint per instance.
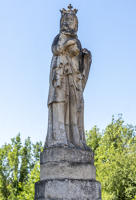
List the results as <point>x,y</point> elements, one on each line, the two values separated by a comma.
<point>27,29</point>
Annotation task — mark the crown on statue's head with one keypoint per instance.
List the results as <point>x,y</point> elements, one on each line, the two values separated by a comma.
<point>69,11</point>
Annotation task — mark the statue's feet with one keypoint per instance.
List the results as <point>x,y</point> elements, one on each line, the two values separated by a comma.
<point>83,145</point>
<point>55,144</point>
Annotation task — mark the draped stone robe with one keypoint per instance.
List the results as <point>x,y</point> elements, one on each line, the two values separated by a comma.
<point>68,75</point>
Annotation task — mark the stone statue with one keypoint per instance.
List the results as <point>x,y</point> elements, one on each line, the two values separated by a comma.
<point>67,168</point>
<point>68,76</point>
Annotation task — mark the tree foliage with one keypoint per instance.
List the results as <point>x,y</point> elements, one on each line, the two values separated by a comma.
<point>19,169</point>
<point>115,159</point>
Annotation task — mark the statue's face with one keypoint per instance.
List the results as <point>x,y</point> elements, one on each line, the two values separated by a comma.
<point>69,24</point>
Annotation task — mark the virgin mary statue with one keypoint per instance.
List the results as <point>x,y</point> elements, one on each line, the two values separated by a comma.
<point>69,72</point>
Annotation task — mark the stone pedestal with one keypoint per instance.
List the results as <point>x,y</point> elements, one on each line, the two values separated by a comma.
<point>67,174</point>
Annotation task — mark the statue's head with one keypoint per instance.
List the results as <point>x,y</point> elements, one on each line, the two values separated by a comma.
<point>69,21</point>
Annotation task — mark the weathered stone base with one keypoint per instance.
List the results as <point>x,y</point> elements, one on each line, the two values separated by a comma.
<point>67,174</point>
<point>65,162</point>
<point>67,189</point>
<point>69,170</point>
<point>69,163</point>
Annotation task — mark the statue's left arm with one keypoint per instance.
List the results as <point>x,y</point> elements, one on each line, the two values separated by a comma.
<point>86,64</point>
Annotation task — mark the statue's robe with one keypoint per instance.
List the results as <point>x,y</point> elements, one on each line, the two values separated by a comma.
<point>68,75</point>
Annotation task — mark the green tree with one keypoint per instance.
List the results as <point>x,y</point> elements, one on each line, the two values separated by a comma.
<point>93,138</point>
<point>28,191</point>
<point>18,162</point>
<point>115,160</point>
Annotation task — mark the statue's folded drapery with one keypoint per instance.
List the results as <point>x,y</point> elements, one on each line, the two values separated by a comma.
<point>68,75</point>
